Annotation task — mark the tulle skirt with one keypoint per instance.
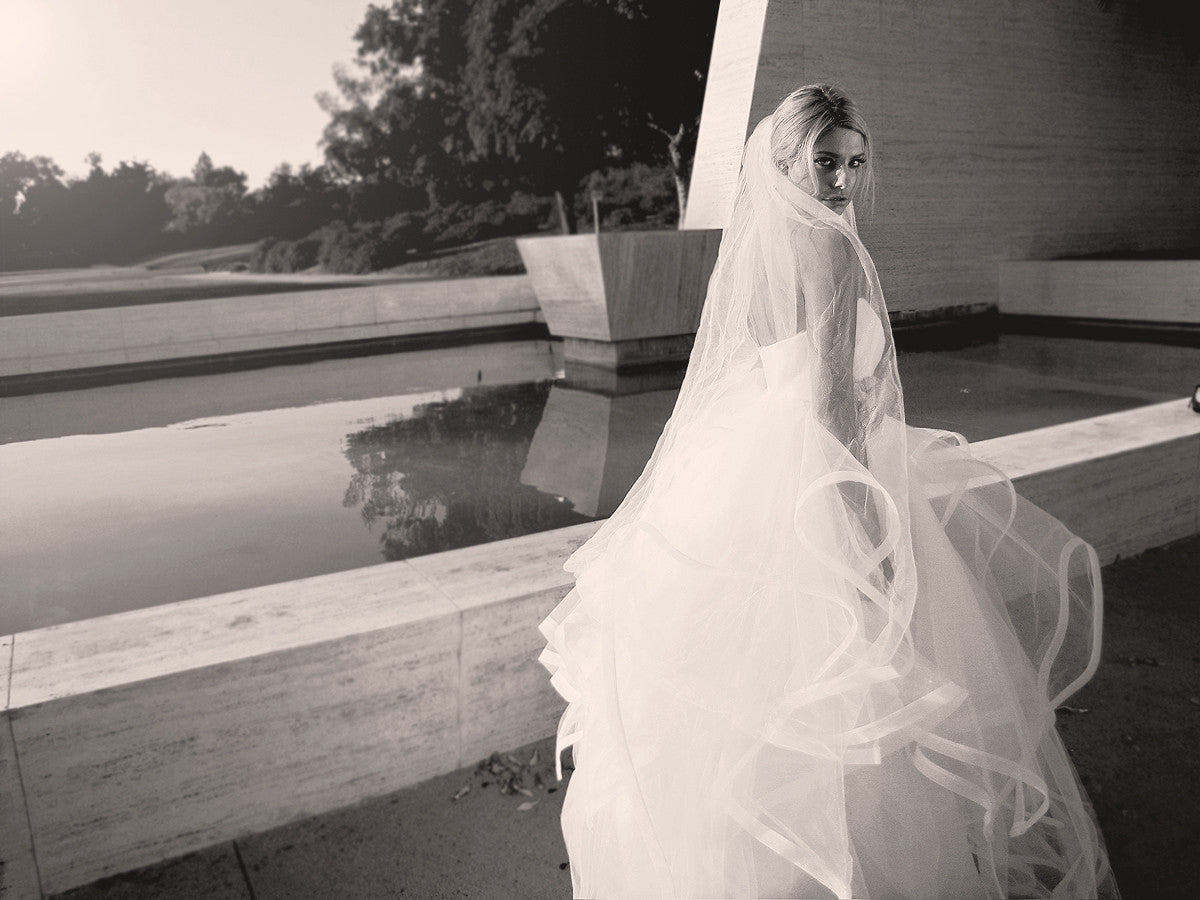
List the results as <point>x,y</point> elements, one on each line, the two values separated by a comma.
<point>745,723</point>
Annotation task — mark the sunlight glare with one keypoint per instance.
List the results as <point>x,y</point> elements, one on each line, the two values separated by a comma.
<point>26,26</point>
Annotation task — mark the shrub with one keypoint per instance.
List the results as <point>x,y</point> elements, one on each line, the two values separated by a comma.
<point>258,256</point>
<point>364,247</point>
<point>344,250</point>
<point>292,256</point>
<point>463,223</point>
<point>633,196</point>
<point>537,211</point>
<point>272,255</point>
<point>406,233</point>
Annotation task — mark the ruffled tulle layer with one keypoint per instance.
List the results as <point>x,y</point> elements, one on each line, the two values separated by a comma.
<point>757,711</point>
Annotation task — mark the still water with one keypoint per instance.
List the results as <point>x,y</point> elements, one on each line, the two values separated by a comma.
<point>126,496</point>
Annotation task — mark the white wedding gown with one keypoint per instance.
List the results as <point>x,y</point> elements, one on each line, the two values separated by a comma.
<point>758,709</point>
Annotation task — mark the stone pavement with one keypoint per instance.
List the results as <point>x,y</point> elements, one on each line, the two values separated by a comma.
<point>1134,735</point>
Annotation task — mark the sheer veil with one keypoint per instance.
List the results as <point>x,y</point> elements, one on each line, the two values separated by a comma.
<point>793,289</point>
<point>816,650</point>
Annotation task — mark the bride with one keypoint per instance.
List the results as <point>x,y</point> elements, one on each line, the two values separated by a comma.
<point>816,652</point>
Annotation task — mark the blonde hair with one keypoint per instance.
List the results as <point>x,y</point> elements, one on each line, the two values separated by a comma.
<point>804,116</point>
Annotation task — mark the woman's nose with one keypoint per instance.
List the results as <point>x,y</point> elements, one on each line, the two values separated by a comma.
<point>839,177</point>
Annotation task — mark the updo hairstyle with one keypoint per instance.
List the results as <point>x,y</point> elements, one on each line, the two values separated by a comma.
<point>804,116</point>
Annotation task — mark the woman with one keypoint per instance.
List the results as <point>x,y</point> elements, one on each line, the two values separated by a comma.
<point>817,652</point>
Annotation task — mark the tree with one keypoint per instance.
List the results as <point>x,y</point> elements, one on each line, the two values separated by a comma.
<point>19,173</point>
<point>567,85</point>
<point>393,145</point>
<point>463,97</point>
<point>539,89</point>
<point>449,475</point>
<point>119,215</point>
<point>296,202</point>
<point>210,206</point>
<point>670,72</point>
<point>397,132</point>
<point>114,216</point>
<point>24,178</point>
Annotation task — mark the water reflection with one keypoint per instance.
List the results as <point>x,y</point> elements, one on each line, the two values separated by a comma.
<point>449,475</point>
<point>111,501</point>
<point>590,446</point>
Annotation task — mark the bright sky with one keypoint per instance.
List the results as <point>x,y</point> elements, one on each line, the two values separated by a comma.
<point>162,80</point>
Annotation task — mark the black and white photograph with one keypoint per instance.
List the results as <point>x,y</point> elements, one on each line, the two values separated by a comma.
<point>599,449</point>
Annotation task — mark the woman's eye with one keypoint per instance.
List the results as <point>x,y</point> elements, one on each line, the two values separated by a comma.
<point>856,163</point>
<point>824,162</point>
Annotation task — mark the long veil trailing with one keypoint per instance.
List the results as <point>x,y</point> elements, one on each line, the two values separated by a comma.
<point>816,651</point>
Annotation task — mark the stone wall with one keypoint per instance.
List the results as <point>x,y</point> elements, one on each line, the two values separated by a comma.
<point>1005,130</point>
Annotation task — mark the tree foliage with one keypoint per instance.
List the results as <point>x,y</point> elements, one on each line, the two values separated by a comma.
<point>449,475</point>
<point>132,212</point>
<point>112,216</point>
<point>570,86</point>
<point>296,202</point>
<point>211,202</point>
<point>464,98</point>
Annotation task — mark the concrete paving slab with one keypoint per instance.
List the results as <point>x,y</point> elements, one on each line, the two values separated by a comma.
<point>210,874</point>
<point>1135,746</point>
<point>421,843</point>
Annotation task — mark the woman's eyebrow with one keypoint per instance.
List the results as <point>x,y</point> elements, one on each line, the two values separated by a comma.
<point>834,153</point>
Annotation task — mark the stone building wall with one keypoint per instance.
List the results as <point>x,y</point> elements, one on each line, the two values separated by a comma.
<point>1003,129</point>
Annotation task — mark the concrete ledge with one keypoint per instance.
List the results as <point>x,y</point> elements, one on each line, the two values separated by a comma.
<point>1160,291</point>
<point>636,352</point>
<point>132,335</point>
<point>1124,482</point>
<point>216,363</point>
<point>148,734</point>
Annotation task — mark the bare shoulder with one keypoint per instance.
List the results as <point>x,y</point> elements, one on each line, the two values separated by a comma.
<point>827,243</point>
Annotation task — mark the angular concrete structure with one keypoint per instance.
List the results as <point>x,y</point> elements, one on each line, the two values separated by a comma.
<point>624,299</point>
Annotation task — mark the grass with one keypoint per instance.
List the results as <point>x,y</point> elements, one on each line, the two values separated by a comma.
<point>178,277</point>
<point>209,259</point>
<point>498,256</point>
<point>134,291</point>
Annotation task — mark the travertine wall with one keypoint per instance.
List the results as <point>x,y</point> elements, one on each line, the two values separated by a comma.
<point>1004,130</point>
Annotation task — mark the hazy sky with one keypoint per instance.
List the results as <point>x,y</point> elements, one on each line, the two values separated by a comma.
<point>162,80</point>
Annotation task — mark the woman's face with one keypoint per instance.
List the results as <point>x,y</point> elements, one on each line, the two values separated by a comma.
<point>839,156</point>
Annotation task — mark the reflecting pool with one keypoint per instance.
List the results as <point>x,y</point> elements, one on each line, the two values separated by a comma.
<point>127,496</point>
